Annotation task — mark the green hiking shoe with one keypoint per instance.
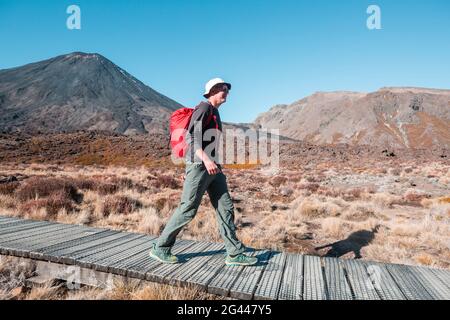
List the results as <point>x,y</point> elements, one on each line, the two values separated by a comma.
<point>161,256</point>
<point>240,260</point>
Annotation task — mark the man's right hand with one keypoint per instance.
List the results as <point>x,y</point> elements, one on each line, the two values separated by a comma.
<point>211,167</point>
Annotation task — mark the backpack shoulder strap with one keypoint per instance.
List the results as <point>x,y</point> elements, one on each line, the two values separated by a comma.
<point>211,115</point>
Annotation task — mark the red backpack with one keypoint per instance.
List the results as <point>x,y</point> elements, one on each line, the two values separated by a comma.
<point>178,126</point>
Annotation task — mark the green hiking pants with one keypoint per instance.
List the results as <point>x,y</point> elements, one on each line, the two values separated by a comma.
<point>198,181</point>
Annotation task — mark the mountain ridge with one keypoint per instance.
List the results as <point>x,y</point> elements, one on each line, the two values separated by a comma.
<point>392,116</point>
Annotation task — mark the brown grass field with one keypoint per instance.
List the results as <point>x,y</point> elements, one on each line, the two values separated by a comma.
<point>387,211</point>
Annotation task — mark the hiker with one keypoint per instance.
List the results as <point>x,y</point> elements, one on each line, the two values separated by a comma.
<point>204,173</point>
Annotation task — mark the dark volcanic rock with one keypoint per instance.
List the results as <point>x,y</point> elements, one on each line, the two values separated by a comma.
<point>79,91</point>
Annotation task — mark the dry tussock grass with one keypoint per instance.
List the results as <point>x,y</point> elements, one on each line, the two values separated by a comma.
<point>298,210</point>
<point>8,201</point>
<point>9,188</point>
<point>314,207</point>
<point>150,221</point>
<point>119,205</point>
<point>165,181</point>
<point>14,272</point>
<point>52,204</point>
<point>39,187</point>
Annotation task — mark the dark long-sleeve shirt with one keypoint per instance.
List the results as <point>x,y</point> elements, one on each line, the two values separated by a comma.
<point>205,136</point>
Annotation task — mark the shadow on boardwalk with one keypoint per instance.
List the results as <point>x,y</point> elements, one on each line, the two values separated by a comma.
<point>263,256</point>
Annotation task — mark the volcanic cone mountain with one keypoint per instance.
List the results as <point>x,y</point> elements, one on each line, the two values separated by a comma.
<point>80,91</point>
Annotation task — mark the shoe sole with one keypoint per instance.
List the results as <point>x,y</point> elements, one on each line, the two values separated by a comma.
<point>159,259</point>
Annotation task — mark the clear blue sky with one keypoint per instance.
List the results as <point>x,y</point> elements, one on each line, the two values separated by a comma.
<point>271,51</point>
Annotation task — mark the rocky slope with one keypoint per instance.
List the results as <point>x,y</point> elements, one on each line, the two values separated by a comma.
<point>391,117</point>
<point>79,91</point>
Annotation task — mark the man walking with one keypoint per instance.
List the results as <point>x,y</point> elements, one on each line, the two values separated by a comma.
<point>204,173</point>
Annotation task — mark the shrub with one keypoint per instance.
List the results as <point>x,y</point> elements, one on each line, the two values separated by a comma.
<point>41,187</point>
<point>352,194</point>
<point>57,201</point>
<point>9,187</point>
<point>333,193</point>
<point>312,187</point>
<point>119,205</point>
<point>85,184</point>
<point>122,182</point>
<point>312,179</point>
<point>295,178</point>
<point>395,171</point>
<point>52,204</point>
<point>106,188</point>
<point>408,170</point>
<point>160,203</point>
<point>8,202</point>
<point>414,197</point>
<point>103,188</point>
<point>164,181</point>
<point>277,181</point>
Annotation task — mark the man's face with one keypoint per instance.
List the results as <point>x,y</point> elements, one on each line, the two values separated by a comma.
<point>219,93</point>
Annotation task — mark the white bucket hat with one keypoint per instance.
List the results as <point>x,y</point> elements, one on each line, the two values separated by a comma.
<point>211,83</point>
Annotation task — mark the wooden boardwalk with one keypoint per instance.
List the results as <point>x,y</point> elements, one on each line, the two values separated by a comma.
<point>278,275</point>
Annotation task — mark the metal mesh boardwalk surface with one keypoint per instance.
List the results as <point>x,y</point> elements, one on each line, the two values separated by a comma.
<point>277,275</point>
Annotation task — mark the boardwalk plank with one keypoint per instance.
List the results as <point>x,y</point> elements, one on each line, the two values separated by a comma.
<point>410,286</point>
<point>86,259</point>
<point>160,273</point>
<point>270,282</point>
<point>203,276</point>
<point>119,264</point>
<point>383,282</point>
<point>431,282</point>
<point>71,240</point>
<point>314,282</point>
<point>8,220</point>
<point>34,234</point>
<point>443,275</point>
<point>8,224</point>
<point>337,285</point>
<point>26,225</point>
<point>245,285</point>
<point>18,223</point>
<point>278,276</point>
<point>66,254</point>
<point>186,270</point>
<point>142,263</point>
<point>103,248</point>
<point>360,280</point>
<point>102,261</point>
<point>57,238</point>
<point>222,281</point>
<point>21,246</point>
<point>292,283</point>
